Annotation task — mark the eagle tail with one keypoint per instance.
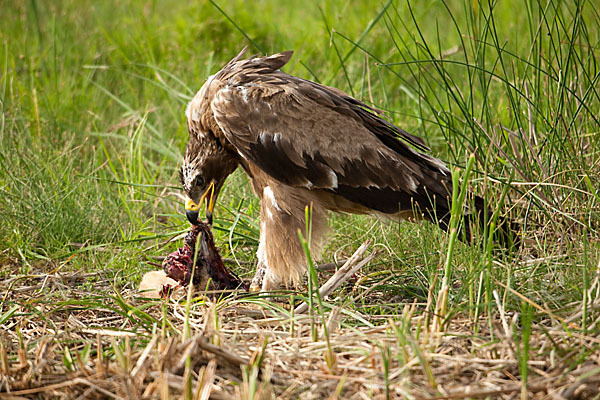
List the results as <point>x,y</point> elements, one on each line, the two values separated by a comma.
<point>478,220</point>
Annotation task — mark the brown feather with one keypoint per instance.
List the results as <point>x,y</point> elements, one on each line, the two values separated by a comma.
<point>309,135</point>
<point>305,143</point>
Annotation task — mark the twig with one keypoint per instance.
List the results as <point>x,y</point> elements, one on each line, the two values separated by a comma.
<point>220,352</point>
<point>350,267</point>
<point>157,265</point>
<point>332,266</point>
<point>61,385</point>
<point>109,332</point>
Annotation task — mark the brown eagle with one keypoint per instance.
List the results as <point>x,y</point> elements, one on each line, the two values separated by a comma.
<point>303,143</point>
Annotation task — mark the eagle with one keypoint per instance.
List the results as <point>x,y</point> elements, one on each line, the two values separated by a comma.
<point>304,144</point>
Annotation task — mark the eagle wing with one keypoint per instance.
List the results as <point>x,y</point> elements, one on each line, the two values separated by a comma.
<point>309,135</point>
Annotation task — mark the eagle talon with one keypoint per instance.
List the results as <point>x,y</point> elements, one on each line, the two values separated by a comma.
<point>254,288</point>
<point>259,277</point>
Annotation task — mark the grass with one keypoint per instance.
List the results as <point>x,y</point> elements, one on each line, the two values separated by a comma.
<point>92,131</point>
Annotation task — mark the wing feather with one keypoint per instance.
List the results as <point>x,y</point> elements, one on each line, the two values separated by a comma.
<point>305,134</point>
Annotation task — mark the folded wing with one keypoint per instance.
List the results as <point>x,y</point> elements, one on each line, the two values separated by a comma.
<point>309,135</point>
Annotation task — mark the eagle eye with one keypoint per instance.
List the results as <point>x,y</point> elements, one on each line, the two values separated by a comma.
<point>199,181</point>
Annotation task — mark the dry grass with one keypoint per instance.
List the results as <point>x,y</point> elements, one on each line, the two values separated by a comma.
<point>101,344</point>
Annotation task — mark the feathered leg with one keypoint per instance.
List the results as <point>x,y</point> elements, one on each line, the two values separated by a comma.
<point>281,259</point>
<point>261,267</point>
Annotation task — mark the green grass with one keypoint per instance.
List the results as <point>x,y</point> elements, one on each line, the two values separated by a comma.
<point>92,131</point>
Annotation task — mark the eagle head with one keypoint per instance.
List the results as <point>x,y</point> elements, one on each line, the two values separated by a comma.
<point>205,167</point>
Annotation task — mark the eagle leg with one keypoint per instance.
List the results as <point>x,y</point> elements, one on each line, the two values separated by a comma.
<point>259,276</point>
<point>281,259</point>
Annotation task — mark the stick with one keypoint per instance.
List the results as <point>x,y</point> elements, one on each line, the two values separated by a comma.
<point>220,352</point>
<point>350,267</point>
<point>55,386</point>
<point>332,265</point>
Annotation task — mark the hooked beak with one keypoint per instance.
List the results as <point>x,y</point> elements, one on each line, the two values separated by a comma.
<point>192,208</point>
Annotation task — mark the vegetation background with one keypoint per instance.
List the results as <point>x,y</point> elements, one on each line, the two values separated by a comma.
<point>92,132</point>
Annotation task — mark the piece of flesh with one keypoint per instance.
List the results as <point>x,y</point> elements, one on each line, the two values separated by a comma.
<point>209,272</point>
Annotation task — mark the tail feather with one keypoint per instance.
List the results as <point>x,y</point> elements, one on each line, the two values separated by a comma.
<point>478,220</point>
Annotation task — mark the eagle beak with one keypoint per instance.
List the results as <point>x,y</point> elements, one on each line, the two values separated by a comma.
<point>192,209</point>
<point>210,202</point>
